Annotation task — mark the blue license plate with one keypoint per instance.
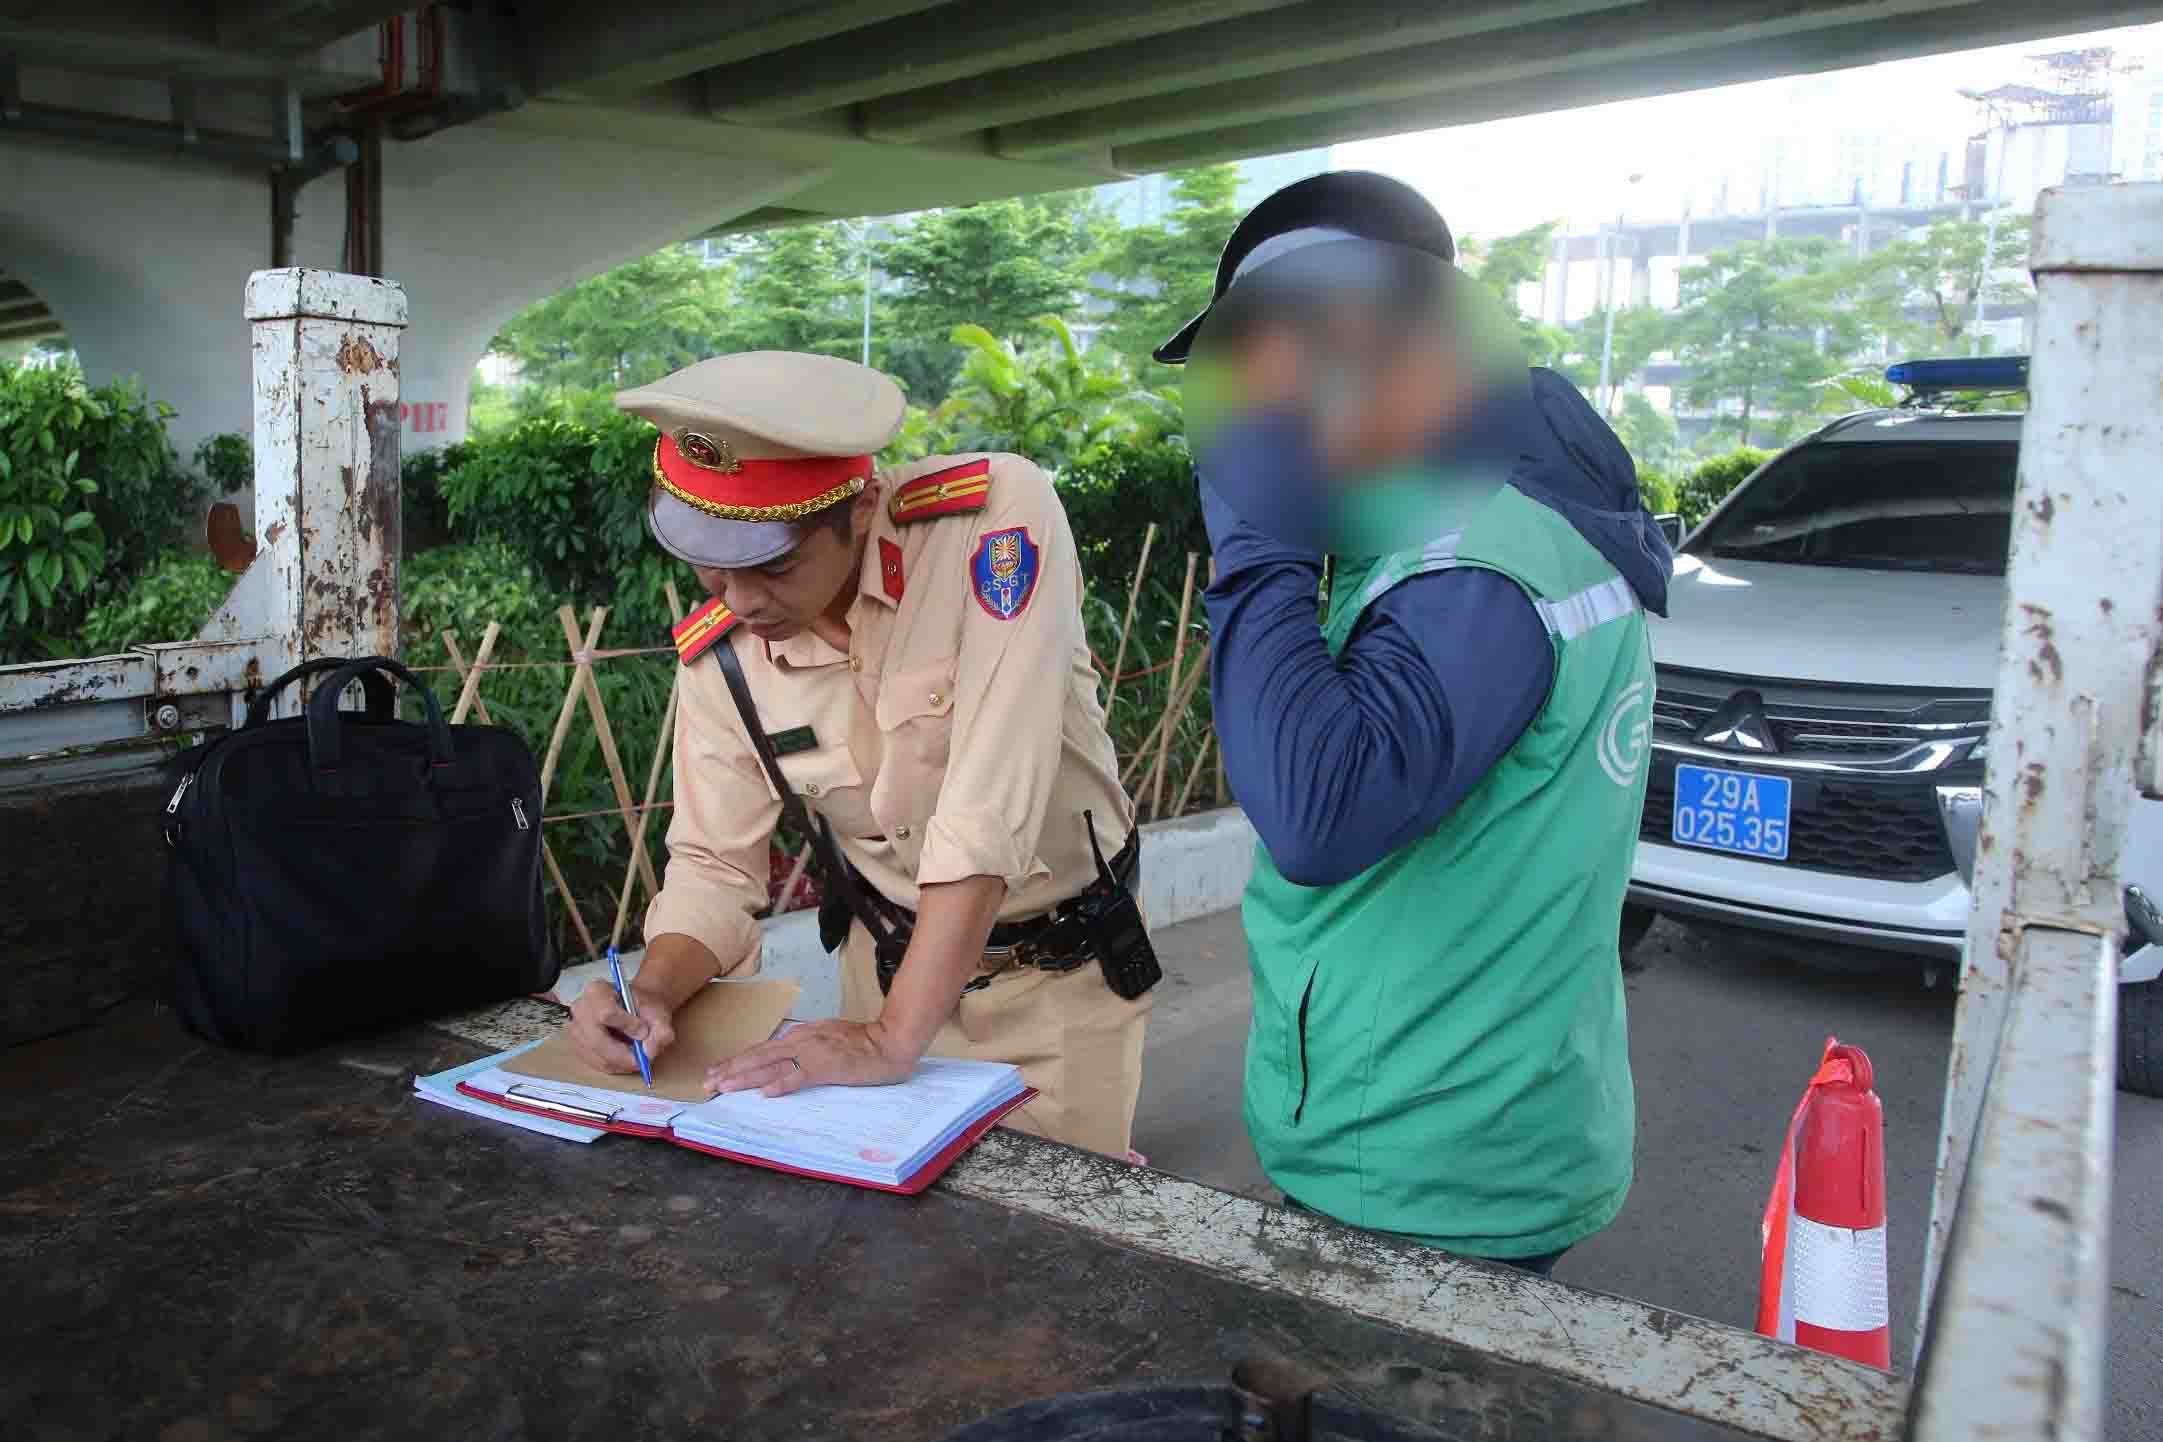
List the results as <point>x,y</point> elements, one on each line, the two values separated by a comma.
<point>1732,811</point>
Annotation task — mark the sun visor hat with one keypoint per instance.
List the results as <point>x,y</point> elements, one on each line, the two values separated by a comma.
<point>1332,206</point>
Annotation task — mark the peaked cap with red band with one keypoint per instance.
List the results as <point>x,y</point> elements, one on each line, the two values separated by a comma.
<point>753,443</point>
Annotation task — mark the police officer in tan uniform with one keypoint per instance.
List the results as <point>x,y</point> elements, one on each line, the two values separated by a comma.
<point>911,644</point>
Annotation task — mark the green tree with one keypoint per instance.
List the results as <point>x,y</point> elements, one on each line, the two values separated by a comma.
<point>1919,293</point>
<point>1649,436</point>
<point>1506,264</point>
<point>999,265</point>
<point>799,289</point>
<point>1640,330</point>
<point>1760,326</point>
<point>624,326</point>
<point>1163,274</point>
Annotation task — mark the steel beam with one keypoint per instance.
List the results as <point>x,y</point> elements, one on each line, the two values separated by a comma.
<point>972,38</point>
<point>1506,57</point>
<point>289,26</point>
<point>1307,34</point>
<point>162,40</point>
<point>576,49</point>
<point>1968,26</point>
<point>2080,630</point>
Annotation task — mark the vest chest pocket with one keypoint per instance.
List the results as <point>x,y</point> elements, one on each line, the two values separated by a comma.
<point>1279,1044</point>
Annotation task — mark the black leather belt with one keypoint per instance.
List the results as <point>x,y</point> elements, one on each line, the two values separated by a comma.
<point>1057,941</point>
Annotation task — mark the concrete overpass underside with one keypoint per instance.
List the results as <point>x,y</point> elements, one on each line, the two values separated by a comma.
<point>153,152</point>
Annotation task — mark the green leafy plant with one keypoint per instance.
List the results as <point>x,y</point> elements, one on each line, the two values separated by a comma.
<point>1051,402</point>
<point>90,495</point>
<point>169,602</point>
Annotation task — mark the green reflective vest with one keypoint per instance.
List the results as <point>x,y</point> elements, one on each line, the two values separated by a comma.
<point>1439,1047</point>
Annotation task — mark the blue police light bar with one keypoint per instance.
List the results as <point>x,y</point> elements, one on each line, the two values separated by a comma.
<point>1978,373</point>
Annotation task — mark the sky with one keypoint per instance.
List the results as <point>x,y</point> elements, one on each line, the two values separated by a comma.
<point>1573,165</point>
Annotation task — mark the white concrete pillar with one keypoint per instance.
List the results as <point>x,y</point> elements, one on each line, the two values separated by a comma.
<point>324,581</point>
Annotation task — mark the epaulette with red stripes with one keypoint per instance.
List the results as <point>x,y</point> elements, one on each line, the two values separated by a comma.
<point>698,631</point>
<point>965,487</point>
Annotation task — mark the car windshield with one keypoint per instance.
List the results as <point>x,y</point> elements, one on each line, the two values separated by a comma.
<point>1899,506</point>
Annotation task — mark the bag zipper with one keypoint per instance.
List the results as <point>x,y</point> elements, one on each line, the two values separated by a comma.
<point>170,830</point>
<point>518,812</point>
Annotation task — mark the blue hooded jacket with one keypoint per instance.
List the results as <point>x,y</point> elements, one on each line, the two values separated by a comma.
<point>1340,761</point>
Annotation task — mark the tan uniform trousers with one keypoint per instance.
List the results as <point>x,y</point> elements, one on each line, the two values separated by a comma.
<point>1075,1042</point>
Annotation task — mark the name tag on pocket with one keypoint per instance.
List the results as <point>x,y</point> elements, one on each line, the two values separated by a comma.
<point>793,740</point>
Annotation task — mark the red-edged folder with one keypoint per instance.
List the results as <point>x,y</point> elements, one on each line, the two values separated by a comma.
<point>923,1177</point>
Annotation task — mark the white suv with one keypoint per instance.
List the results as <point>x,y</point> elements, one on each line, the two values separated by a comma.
<point>1824,689</point>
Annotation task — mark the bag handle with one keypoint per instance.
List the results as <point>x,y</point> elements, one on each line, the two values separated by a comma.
<point>382,699</point>
<point>325,748</point>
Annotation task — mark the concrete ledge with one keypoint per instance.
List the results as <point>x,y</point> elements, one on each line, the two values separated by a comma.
<point>1192,866</point>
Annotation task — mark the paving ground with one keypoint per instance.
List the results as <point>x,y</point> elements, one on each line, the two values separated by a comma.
<point>1722,1042</point>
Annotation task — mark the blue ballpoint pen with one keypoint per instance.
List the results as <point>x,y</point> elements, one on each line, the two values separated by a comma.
<point>623,992</point>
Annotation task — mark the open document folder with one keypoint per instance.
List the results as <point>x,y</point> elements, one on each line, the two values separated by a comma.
<point>895,1138</point>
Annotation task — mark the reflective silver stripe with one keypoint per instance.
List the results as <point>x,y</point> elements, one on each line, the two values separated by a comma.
<point>1573,616</point>
<point>1438,554</point>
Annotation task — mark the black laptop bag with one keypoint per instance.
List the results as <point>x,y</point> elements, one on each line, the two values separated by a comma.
<point>340,871</point>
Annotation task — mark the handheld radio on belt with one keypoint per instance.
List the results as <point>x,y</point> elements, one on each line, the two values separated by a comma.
<point>1103,923</point>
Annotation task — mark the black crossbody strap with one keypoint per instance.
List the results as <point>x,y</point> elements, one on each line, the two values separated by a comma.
<point>833,867</point>
<point>792,805</point>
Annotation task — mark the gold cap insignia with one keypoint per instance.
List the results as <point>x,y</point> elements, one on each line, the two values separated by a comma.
<point>707,453</point>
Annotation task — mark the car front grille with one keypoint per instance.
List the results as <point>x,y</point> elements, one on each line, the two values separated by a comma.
<point>1836,725</point>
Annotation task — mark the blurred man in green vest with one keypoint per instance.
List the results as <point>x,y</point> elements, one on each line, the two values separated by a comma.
<point>1432,685</point>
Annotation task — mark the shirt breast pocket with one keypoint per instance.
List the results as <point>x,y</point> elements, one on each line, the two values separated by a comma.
<point>916,720</point>
<point>822,772</point>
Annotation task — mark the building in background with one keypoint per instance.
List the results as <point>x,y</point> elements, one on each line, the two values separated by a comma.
<point>2086,117</point>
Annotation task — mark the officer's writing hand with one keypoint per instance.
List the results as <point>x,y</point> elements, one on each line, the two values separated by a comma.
<point>602,1030</point>
<point>821,1053</point>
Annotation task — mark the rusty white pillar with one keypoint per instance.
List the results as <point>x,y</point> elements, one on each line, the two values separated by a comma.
<point>324,581</point>
<point>2015,1282</point>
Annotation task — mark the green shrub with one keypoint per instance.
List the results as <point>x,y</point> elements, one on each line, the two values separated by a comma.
<point>169,602</point>
<point>424,511</point>
<point>90,496</point>
<point>1709,484</point>
<point>1111,499</point>
<point>1657,490</point>
<point>570,500</point>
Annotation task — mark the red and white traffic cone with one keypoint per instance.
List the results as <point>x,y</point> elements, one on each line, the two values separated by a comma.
<point>1822,1278</point>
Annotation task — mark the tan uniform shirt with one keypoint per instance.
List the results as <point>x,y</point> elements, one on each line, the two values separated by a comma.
<point>949,741</point>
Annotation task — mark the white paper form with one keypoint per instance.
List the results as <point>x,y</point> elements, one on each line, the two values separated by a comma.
<point>882,1133</point>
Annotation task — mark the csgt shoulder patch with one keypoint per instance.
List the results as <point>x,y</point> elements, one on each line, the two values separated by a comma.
<point>696,633</point>
<point>1003,572</point>
<point>960,488</point>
